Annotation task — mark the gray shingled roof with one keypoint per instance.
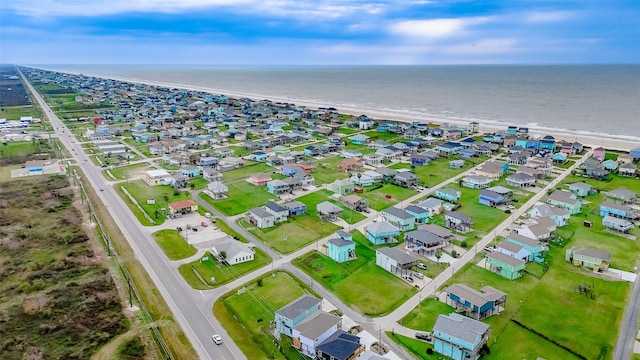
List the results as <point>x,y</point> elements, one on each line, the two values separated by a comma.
<point>275,207</point>
<point>438,230</point>
<point>523,239</point>
<point>423,236</point>
<point>339,242</point>
<point>399,256</point>
<point>298,306</point>
<point>509,246</point>
<point>474,296</point>
<point>341,345</point>
<point>316,324</point>
<point>505,259</point>
<point>261,213</point>
<point>460,327</point>
<point>327,207</point>
<point>382,227</point>
<point>595,253</point>
<point>399,213</point>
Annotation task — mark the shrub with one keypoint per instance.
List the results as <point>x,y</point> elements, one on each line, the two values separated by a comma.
<point>429,351</point>
<point>133,347</point>
<point>464,244</point>
<point>454,254</point>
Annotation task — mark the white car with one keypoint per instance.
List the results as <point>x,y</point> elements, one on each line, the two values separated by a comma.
<point>511,207</point>
<point>217,339</point>
<point>422,266</point>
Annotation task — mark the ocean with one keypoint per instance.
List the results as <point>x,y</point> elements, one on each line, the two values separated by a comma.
<point>595,100</point>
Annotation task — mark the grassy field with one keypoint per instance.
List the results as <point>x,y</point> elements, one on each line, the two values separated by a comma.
<point>315,198</point>
<point>246,317</point>
<point>360,283</point>
<point>326,170</point>
<point>222,273</point>
<point>527,345</point>
<point>377,198</point>
<point>142,192</point>
<point>242,197</point>
<point>15,112</point>
<point>128,171</point>
<point>438,170</point>
<point>294,234</point>
<point>416,347</point>
<point>173,244</point>
<point>247,171</point>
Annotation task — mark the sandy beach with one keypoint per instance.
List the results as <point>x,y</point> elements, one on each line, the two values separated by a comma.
<point>612,142</point>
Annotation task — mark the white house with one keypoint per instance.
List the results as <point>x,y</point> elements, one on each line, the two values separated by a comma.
<point>157,177</point>
<point>217,190</point>
<point>235,251</point>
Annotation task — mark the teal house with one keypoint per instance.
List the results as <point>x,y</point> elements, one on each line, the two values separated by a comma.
<point>448,194</point>
<point>359,139</point>
<point>504,265</point>
<point>581,189</point>
<point>342,248</point>
<point>399,218</point>
<point>459,337</point>
<point>295,312</point>
<point>535,248</point>
<point>565,200</point>
<point>421,214</point>
<point>382,232</point>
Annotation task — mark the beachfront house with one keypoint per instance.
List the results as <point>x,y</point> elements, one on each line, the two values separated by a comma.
<point>295,312</point>
<point>382,232</point>
<point>595,259</point>
<point>423,242</point>
<point>459,337</point>
<point>599,153</point>
<point>628,169</point>
<point>504,265</point>
<point>475,304</point>
<point>399,218</point>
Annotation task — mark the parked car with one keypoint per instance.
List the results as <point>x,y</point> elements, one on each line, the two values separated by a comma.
<point>424,336</point>
<point>407,278</point>
<point>511,207</point>
<point>418,275</point>
<point>422,266</point>
<point>179,228</point>
<point>489,249</point>
<point>217,339</point>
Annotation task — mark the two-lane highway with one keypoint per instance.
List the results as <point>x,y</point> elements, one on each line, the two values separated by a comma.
<point>197,322</point>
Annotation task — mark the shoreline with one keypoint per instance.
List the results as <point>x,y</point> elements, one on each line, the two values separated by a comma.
<point>607,141</point>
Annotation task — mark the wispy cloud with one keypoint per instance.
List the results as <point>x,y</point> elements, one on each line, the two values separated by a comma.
<point>549,16</point>
<point>435,28</point>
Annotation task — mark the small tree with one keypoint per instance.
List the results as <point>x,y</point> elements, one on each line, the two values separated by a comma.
<point>259,282</point>
<point>438,255</point>
<point>454,254</point>
<point>463,244</point>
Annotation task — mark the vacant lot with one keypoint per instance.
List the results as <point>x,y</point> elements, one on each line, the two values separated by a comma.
<point>19,152</point>
<point>242,197</point>
<point>247,316</point>
<point>58,299</point>
<point>173,244</point>
<point>378,197</point>
<point>208,267</point>
<point>162,194</point>
<point>359,283</point>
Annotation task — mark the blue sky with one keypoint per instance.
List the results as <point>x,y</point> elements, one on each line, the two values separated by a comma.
<point>319,32</point>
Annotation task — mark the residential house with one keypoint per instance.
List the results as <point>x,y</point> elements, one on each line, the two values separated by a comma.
<point>476,182</point>
<point>493,169</point>
<point>217,190</point>
<point>399,218</point>
<point>208,162</point>
<point>456,164</point>
<point>373,159</point>
<point>617,224</point>
<point>595,259</point>
<point>328,211</point>
<point>432,205</point>
<point>341,345</point>
<point>513,250</point>
<point>342,187</point>
<point>341,249</point>
<point>361,179</point>
<point>278,187</point>
<point>190,171</point>
<point>473,303</point>
<point>295,312</point>
<point>610,165</point>
<point>306,179</point>
<point>295,207</point>
<point>565,200</point>
<point>382,232</point>
<point>351,153</point>
<point>312,331</point>
<point>355,202</point>
<point>581,189</point>
<point>406,179</point>
<point>628,169</point>
<point>421,214</point>
<point>419,159</point>
<point>359,139</point>
<point>449,148</point>
<point>387,174</point>
<point>423,242</point>
<point>290,169</point>
<point>373,175</point>
<point>521,180</point>
<point>635,154</point>
<point>259,156</point>
<point>260,218</point>
<point>459,337</point>
<point>560,158</point>
<point>622,195</point>
<point>458,221</point>
<point>389,152</point>
<point>516,158</point>
<point>260,179</point>
<point>157,177</point>
<point>183,207</point>
<point>448,195</point>
<point>536,248</point>
<point>491,198</point>
<point>395,261</point>
<point>558,215</point>
<point>279,212</point>
<point>351,164</point>
<point>233,252</point>
<point>543,230</point>
<point>598,153</point>
<point>211,175</point>
<point>505,265</point>
<point>618,210</point>
<point>306,166</point>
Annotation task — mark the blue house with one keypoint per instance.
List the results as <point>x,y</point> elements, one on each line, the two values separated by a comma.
<point>448,195</point>
<point>635,154</point>
<point>459,337</point>
<point>558,215</point>
<point>535,247</point>
<point>581,189</point>
<point>608,208</point>
<point>491,198</point>
<point>449,148</point>
<point>399,218</point>
<point>190,171</point>
<point>421,214</point>
<point>278,187</point>
<point>475,304</point>
<point>548,143</point>
<point>260,156</point>
<point>312,151</point>
<point>559,158</point>
<point>468,153</point>
<point>359,139</point>
<point>341,250</point>
<point>295,312</point>
<point>418,159</point>
<point>382,232</point>
<point>290,169</point>
<point>295,207</point>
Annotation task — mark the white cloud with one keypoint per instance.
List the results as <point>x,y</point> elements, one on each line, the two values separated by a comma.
<point>435,28</point>
<point>548,16</point>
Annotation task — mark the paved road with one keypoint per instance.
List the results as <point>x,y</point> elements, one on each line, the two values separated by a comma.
<point>189,307</point>
<point>628,326</point>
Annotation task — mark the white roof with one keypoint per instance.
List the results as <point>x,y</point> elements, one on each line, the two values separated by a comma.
<point>157,173</point>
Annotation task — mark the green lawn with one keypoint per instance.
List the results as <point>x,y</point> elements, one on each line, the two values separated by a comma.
<point>516,340</point>
<point>424,316</point>
<point>247,317</point>
<point>374,135</point>
<point>15,112</point>
<point>198,183</point>
<point>124,172</point>
<point>316,197</point>
<point>438,170</point>
<point>416,347</point>
<point>326,171</point>
<point>360,283</point>
<point>347,131</point>
<point>142,192</point>
<point>174,245</point>
<point>18,148</point>
<point>222,273</point>
<point>293,234</point>
<point>377,198</point>
<point>247,171</point>
<point>242,197</point>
